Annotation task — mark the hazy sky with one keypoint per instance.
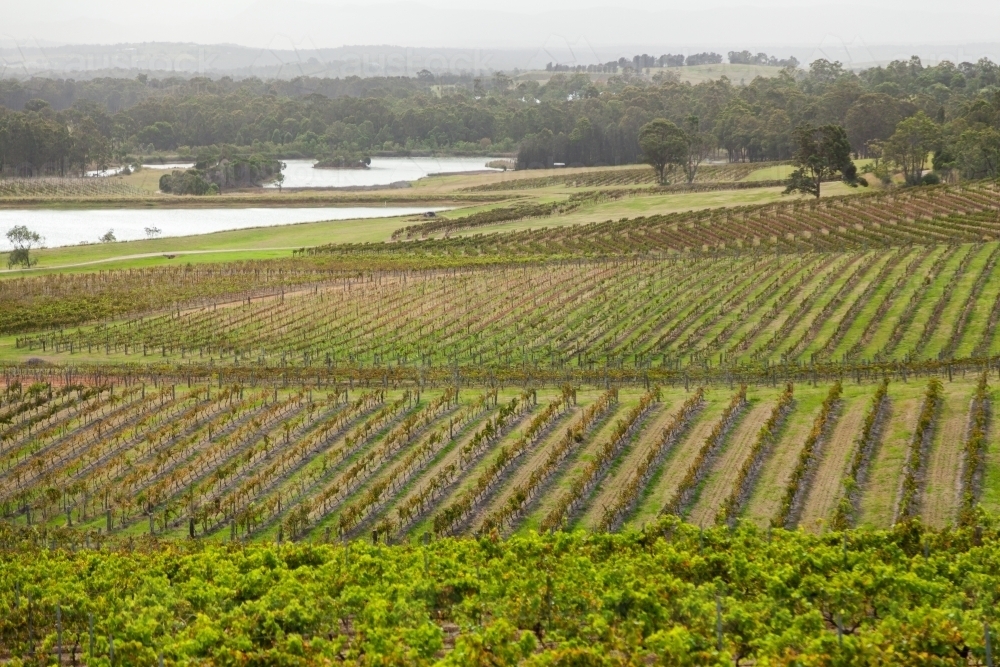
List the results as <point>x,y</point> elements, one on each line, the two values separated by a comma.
<point>533,24</point>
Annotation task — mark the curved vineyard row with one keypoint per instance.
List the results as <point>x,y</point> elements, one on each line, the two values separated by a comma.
<point>641,314</point>
<point>964,213</point>
<point>208,464</point>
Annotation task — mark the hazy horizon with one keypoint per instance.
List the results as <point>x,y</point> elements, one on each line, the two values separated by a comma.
<point>583,27</point>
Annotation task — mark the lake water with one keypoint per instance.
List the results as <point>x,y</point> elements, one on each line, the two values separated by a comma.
<point>174,165</point>
<point>63,228</point>
<point>383,171</point>
<point>101,173</point>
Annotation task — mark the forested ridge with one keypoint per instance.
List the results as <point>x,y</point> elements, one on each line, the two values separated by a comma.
<point>65,125</point>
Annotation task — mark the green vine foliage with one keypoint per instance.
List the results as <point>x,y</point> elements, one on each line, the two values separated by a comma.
<point>669,595</point>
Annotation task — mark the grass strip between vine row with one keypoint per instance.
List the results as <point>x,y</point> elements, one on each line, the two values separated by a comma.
<point>754,461</point>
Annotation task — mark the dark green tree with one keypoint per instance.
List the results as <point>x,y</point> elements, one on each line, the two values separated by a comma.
<point>23,240</point>
<point>664,147</point>
<point>821,153</point>
<point>873,117</point>
<point>976,153</point>
<point>911,144</point>
<point>699,144</point>
<point>160,134</point>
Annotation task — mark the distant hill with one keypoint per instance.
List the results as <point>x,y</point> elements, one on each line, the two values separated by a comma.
<point>186,60</point>
<point>216,60</point>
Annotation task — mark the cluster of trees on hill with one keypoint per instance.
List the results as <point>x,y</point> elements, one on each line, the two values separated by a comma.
<point>747,58</point>
<point>646,61</point>
<point>569,119</point>
<point>744,57</point>
<point>707,58</point>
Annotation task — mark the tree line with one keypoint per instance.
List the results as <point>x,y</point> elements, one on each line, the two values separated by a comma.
<point>897,115</point>
<point>569,119</point>
<point>40,141</point>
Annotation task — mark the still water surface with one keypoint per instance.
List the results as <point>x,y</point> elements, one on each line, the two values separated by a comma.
<point>383,171</point>
<point>62,228</point>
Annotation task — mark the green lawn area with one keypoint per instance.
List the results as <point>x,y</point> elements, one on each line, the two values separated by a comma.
<point>736,73</point>
<point>782,171</point>
<point>771,173</point>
